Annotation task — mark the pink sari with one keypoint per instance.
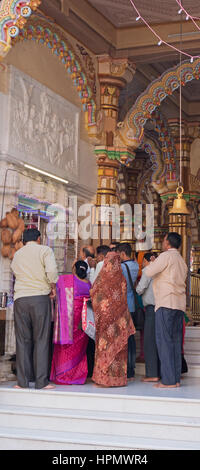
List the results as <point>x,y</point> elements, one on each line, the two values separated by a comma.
<point>69,363</point>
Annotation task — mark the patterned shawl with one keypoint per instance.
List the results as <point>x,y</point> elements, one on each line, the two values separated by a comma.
<point>112,318</point>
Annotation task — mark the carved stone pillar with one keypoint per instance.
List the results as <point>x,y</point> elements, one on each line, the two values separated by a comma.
<point>113,75</point>
<point>108,161</point>
<point>187,140</point>
<point>195,257</point>
<point>108,167</point>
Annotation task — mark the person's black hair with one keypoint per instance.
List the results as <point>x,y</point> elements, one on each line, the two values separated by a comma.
<point>103,250</point>
<point>174,239</point>
<point>148,256</point>
<point>81,269</point>
<point>125,248</point>
<point>31,235</point>
<point>87,253</point>
<point>114,248</point>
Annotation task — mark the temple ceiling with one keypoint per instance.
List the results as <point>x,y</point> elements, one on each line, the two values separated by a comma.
<point>110,27</point>
<point>122,14</point>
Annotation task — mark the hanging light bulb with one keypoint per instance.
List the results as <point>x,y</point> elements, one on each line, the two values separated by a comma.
<point>187,18</point>
<point>192,60</point>
<point>180,11</point>
<point>138,18</point>
<point>160,42</point>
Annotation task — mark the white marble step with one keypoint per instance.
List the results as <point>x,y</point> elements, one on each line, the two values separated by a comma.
<point>193,363</point>
<point>192,332</point>
<point>193,357</point>
<point>25,439</point>
<point>192,345</point>
<point>136,398</point>
<point>111,423</point>
<point>193,370</point>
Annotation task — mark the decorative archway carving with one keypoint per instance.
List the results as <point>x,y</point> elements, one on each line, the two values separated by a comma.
<point>132,130</point>
<point>45,33</point>
<point>13,17</point>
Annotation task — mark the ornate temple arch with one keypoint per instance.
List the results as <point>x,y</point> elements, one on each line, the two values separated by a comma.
<point>131,133</point>
<point>13,17</point>
<point>14,28</point>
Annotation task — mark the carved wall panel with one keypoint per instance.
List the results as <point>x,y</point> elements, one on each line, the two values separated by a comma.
<point>44,128</point>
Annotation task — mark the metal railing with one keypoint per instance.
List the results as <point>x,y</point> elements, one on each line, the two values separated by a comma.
<point>195,297</point>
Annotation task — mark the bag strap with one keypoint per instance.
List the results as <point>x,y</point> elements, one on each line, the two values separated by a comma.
<point>132,286</point>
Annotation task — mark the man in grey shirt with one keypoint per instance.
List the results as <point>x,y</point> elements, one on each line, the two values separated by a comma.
<point>36,275</point>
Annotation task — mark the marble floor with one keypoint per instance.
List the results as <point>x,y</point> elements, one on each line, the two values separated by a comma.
<point>190,389</point>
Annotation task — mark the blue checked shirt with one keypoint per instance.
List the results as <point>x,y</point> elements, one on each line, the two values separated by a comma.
<point>133,268</point>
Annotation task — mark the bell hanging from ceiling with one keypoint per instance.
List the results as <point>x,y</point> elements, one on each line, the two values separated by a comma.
<point>179,204</point>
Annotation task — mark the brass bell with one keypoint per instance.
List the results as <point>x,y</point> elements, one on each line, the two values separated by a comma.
<point>179,204</point>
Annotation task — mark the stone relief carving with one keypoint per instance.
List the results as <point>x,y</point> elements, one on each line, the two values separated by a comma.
<point>44,126</point>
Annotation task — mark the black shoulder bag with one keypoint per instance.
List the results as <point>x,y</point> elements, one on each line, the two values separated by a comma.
<point>138,315</point>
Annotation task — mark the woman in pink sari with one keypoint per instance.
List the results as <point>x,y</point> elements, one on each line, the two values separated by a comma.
<point>69,363</point>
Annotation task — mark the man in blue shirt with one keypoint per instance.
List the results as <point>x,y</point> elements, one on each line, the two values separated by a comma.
<point>124,250</point>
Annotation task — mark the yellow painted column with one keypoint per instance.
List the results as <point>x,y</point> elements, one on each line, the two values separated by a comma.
<point>113,75</point>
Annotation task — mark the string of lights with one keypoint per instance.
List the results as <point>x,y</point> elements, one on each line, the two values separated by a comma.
<point>187,15</point>
<point>162,41</point>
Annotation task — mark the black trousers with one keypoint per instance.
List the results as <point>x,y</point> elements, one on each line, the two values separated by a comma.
<point>169,337</point>
<point>152,366</point>
<point>32,317</point>
<point>90,356</point>
<point>131,354</point>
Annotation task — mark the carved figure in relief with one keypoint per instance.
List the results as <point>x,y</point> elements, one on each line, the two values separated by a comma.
<point>38,126</point>
<point>30,130</point>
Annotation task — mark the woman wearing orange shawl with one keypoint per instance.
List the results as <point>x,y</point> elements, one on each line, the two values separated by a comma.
<point>113,324</point>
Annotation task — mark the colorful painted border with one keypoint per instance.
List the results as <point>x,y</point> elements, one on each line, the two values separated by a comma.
<point>44,33</point>
<point>131,133</point>
<point>13,17</point>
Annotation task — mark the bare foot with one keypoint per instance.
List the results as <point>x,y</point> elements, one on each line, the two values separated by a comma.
<point>100,386</point>
<point>17,386</point>
<point>160,385</point>
<point>150,379</point>
<point>89,380</point>
<point>49,387</point>
<point>131,379</point>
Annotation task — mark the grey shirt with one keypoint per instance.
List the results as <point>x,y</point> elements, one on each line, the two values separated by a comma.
<point>145,288</point>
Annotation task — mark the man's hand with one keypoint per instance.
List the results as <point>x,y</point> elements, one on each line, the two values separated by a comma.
<point>91,261</point>
<point>52,294</point>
